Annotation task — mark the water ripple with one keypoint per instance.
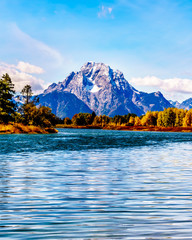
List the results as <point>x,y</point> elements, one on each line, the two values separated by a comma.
<point>94,184</point>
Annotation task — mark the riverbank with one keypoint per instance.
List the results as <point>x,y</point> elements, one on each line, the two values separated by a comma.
<point>16,128</point>
<point>130,128</point>
<point>151,129</point>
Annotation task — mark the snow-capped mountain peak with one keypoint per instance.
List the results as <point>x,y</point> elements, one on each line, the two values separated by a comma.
<point>106,91</point>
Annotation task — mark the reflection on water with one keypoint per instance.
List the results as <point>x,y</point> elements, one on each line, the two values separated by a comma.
<point>94,184</point>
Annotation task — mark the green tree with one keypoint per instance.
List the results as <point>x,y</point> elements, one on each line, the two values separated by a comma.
<point>27,93</point>
<point>83,119</point>
<point>93,115</point>
<point>180,114</point>
<point>169,117</point>
<point>7,106</point>
<point>33,115</point>
<point>67,121</point>
<point>44,117</point>
<point>118,120</point>
<point>78,120</point>
<point>41,116</point>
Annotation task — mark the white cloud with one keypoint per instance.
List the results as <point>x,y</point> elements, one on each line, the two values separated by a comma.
<point>179,85</point>
<point>110,10</point>
<point>21,78</point>
<point>105,12</point>
<point>29,68</point>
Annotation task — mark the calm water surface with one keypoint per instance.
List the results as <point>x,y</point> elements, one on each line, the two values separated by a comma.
<point>96,184</point>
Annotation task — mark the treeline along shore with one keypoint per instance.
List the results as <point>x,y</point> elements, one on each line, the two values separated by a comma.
<point>30,117</point>
<point>26,118</point>
<point>171,119</point>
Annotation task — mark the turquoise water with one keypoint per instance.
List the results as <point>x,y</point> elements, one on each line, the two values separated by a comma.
<point>96,184</point>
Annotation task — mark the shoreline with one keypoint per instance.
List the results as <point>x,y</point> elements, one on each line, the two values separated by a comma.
<point>18,128</point>
<point>131,128</point>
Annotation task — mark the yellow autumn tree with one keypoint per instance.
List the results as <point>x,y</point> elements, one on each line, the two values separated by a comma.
<point>187,121</point>
<point>132,121</point>
<point>137,121</point>
<point>150,119</point>
<point>180,114</point>
<point>160,119</point>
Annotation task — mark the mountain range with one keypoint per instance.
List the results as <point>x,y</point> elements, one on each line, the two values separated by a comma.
<point>187,104</point>
<point>97,87</point>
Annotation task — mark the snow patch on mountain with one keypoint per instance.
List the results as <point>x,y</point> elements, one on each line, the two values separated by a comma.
<point>106,91</point>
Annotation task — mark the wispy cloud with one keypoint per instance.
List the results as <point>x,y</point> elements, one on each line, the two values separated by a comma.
<point>105,12</point>
<point>178,85</point>
<point>34,45</point>
<point>21,75</point>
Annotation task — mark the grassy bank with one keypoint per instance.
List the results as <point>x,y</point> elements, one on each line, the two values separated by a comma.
<point>130,128</point>
<point>20,128</point>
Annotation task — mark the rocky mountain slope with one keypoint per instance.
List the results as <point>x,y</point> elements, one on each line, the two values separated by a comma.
<point>102,90</point>
<point>63,104</point>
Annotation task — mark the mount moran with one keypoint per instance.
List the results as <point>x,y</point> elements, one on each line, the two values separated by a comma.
<point>97,87</point>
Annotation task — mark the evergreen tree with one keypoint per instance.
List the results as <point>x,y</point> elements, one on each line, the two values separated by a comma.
<point>93,115</point>
<point>27,93</point>
<point>7,106</point>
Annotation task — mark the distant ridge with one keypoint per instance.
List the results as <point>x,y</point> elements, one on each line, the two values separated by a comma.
<point>187,104</point>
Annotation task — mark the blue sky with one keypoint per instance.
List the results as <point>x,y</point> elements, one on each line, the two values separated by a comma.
<point>149,41</point>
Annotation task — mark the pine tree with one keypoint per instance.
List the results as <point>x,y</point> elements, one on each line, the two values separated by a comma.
<point>7,106</point>
<point>27,93</point>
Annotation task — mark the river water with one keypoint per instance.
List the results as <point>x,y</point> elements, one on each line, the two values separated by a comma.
<point>96,184</point>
